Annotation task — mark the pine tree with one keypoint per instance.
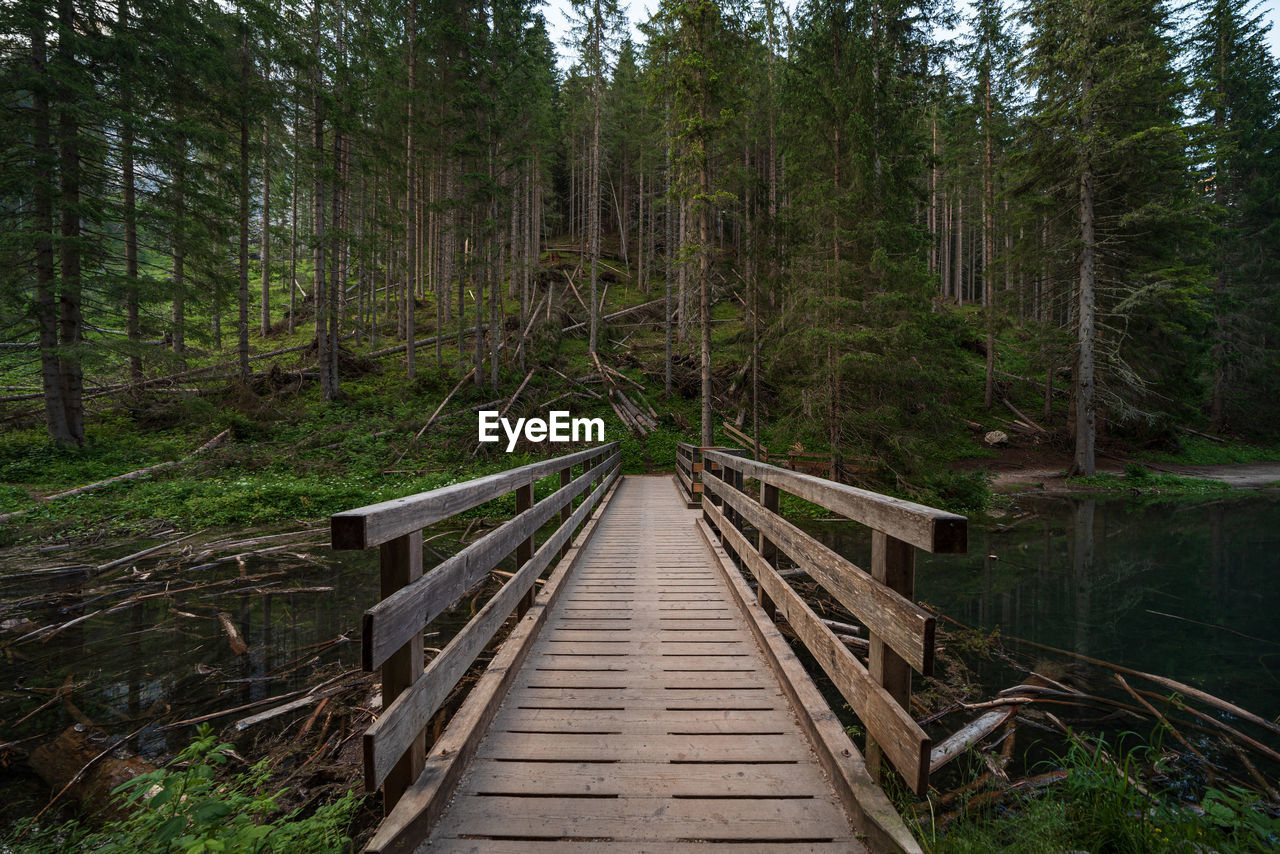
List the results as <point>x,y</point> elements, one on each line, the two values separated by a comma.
<point>1107,144</point>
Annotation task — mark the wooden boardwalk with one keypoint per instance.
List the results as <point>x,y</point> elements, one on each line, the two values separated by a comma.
<point>645,717</point>
<point>644,699</point>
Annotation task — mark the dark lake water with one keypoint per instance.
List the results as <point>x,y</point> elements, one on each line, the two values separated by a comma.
<point>1189,590</point>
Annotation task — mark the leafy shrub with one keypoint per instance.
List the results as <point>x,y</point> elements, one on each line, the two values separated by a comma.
<point>186,808</point>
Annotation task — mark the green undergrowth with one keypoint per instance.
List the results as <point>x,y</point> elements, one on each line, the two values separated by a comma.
<point>1198,451</point>
<point>1141,480</point>
<point>194,806</point>
<point>1098,808</point>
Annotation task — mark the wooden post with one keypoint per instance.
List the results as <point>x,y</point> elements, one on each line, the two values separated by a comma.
<point>524,551</point>
<point>401,564</point>
<point>893,564</point>
<point>768,498</point>
<point>566,476</point>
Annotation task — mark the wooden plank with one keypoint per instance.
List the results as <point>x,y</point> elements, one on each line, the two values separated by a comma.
<point>873,814</point>
<point>408,610</point>
<point>684,722</point>
<point>375,524</point>
<point>893,565</point>
<point>409,713</point>
<point>524,549</point>
<point>639,747</point>
<point>904,625</point>
<point>401,564</point>
<point>675,819</point>
<point>643,779</point>
<point>924,527</point>
<point>902,740</point>
<point>454,845</point>
<point>422,803</point>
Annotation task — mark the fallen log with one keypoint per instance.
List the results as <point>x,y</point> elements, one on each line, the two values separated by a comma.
<point>234,638</point>
<point>76,766</point>
<point>1172,684</point>
<point>134,475</point>
<point>967,736</point>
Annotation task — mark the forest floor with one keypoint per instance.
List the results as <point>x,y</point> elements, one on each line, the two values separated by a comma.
<point>1043,469</point>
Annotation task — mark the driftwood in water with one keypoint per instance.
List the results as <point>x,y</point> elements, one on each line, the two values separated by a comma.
<point>76,766</point>
<point>234,638</point>
<point>1172,684</point>
<point>967,736</point>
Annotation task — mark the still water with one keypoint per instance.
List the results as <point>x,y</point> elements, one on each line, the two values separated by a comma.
<point>1185,590</point>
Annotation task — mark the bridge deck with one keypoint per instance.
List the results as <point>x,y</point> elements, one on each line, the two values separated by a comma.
<point>645,716</point>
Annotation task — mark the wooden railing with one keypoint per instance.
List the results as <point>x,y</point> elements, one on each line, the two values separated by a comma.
<point>689,468</point>
<point>395,745</point>
<point>901,633</point>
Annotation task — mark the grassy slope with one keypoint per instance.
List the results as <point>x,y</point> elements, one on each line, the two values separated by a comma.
<point>295,458</point>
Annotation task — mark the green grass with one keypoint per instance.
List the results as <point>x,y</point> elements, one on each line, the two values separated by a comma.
<point>1198,451</point>
<point>1141,480</point>
<point>1096,808</point>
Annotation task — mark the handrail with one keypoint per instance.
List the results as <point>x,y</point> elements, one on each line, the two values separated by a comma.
<point>901,633</point>
<point>689,466</point>
<point>394,746</point>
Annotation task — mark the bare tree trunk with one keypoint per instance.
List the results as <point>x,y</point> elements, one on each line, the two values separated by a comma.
<point>319,284</point>
<point>266,210</point>
<point>669,253</point>
<point>1086,332</point>
<point>596,82</point>
<point>46,311</point>
<point>132,328</point>
<point>989,242</point>
<point>242,350</point>
<point>957,256</point>
<point>70,323</point>
<point>179,250</point>
<point>411,207</point>
<point>293,212</point>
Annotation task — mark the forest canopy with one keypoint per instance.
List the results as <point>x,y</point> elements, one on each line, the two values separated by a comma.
<point>1084,194</point>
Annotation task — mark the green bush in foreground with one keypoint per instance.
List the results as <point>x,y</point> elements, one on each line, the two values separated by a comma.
<point>184,808</point>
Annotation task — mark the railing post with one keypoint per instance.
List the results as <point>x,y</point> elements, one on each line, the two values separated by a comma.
<point>769,499</point>
<point>893,564</point>
<point>401,563</point>
<point>566,477</point>
<point>524,550</point>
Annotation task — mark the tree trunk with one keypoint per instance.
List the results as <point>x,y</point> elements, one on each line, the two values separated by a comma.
<point>46,310</point>
<point>242,349</point>
<point>319,286</point>
<point>411,207</point>
<point>70,324</point>
<point>988,228</point>
<point>132,326</point>
<point>265,253</point>
<point>1085,415</point>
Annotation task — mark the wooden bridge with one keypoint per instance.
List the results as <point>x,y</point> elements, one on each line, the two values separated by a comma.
<point>644,699</point>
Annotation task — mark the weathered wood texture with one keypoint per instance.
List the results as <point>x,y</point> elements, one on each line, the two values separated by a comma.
<point>644,703</point>
<point>887,614</point>
<point>398,616</point>
<point>373,525</point>
<point>645,716</point>
<point>395,745</point>
<point>921,526</point>
<point>901,634</point>
<point>886,722</point>
<point>873,814</point>
<point>391,733</point>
